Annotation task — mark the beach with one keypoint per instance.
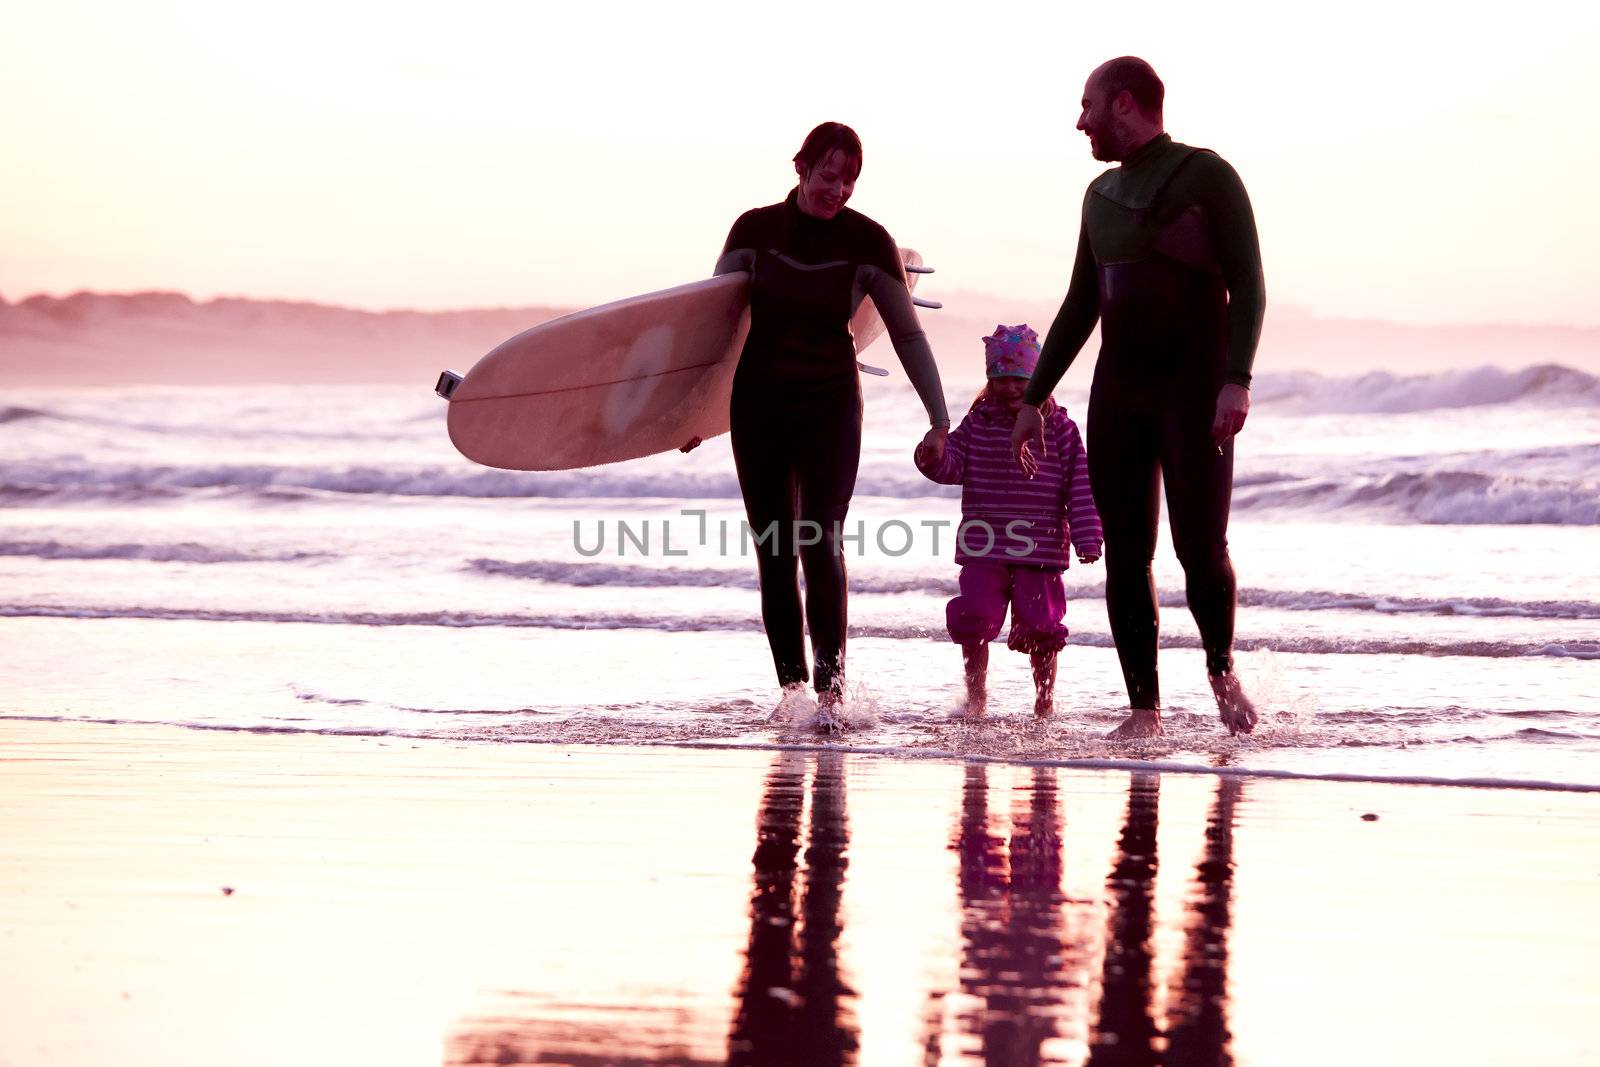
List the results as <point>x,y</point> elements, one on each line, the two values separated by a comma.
<point>322,743</point>
<point>324,746</point>
<point>176,896</point>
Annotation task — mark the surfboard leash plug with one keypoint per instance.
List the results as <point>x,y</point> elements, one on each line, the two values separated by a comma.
<point>446,386</point>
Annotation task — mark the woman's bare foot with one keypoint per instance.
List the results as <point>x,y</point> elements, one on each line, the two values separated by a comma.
<point>1233,707</point>
<point>793,705</point>
<point>1141,722</point>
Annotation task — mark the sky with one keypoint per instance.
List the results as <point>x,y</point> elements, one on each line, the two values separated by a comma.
<point>1405,161</point>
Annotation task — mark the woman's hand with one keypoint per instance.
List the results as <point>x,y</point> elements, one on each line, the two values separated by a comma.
<point>931,450</point>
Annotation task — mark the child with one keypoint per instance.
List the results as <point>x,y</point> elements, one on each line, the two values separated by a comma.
<point>1015,525</point>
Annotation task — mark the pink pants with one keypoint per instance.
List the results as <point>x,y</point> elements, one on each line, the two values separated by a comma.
<point>1038,603</point>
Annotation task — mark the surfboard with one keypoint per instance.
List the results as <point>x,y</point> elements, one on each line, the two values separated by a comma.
<point>617,382</point>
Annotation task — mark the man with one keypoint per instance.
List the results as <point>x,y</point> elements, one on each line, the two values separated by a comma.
<point>1169,263</point>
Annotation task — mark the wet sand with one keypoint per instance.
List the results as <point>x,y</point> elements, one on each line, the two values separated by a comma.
<point>172,896</point>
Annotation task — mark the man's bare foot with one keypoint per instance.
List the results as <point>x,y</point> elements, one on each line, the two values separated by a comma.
<point>1234,708</point>
<point>829,720</point>
<point>1044,706</point>
<point>1141,722</point>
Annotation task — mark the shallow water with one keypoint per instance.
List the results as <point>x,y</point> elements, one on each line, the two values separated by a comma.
<point>1417,588</point>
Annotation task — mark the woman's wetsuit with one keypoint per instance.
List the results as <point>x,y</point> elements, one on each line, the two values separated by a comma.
<point>1168,261</point>
<point>796,409</point>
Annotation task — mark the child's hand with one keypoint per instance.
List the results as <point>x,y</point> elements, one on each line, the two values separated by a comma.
<point>1088,557</point>
<point>692,444</point>
<point>1025,460</point>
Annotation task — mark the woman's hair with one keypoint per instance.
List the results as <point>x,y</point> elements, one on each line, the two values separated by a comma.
<point>828,137</point>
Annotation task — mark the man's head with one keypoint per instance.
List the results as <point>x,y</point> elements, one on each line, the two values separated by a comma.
<point>1121,107</point>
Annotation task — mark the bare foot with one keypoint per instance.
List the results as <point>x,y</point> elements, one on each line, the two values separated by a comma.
<point>1141,722</point>
<point>1044,681</point>
<point>1234,708</point>
<point>829,720</point>
<point>975,668</point>
<point>793,705</point>
<point>975,706</point>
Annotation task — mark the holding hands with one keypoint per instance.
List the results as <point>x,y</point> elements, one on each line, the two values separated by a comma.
<point>930,451</point>
<point>1027,439</point>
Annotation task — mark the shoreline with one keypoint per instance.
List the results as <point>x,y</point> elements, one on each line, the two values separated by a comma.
<point>802,743</point>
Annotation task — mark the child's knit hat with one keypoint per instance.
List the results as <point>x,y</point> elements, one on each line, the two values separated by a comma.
<point>1011,352</point>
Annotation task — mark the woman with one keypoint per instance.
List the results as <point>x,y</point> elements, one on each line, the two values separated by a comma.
<point>796,408</point>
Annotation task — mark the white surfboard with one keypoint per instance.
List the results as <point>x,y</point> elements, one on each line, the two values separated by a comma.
<point>616,382</point>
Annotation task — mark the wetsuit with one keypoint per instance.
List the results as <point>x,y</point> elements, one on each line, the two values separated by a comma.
<point>796,408</point>
<point>1169,263</point>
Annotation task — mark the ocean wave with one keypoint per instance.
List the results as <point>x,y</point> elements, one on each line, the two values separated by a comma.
<point>1540,486</point>
<point>1491,607</point>
<point>1381,392</point>
<point>106,417</point>
<point>586,575</point>
<point>1307,644</point>
<point>1442,497</point>
<point>134,482</point>
<point>184,552</point>
<point>21,414</point>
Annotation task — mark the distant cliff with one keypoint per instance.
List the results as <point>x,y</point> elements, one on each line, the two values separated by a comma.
<point>167,338</point>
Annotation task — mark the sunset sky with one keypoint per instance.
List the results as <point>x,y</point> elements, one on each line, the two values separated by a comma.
<point>1403,164</point>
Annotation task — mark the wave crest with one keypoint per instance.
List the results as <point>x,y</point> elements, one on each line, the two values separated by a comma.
<point>1384,393</point>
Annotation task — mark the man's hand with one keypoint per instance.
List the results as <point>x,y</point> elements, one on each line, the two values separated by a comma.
<point>1233,404</point>
<point>1026,437</point>
<point>931,450</point>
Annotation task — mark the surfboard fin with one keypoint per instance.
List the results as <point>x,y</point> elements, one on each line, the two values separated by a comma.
<point>446,386</point>
<point>919,269</point>
<point>921,303</point>
<point>867,368</point>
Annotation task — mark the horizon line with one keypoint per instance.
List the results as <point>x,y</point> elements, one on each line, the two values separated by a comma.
<point>1298,309</point>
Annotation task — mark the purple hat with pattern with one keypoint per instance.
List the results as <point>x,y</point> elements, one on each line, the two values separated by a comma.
<point>1011,352</point>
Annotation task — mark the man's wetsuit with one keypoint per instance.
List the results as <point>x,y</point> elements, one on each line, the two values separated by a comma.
<point>796,409</point>
<point>1169,263</point>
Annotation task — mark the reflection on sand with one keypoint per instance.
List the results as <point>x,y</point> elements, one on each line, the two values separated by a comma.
<point>791,997</point>
<point>1018,967</point>
<point>1196,1030</point>
<point>1041,977</point>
